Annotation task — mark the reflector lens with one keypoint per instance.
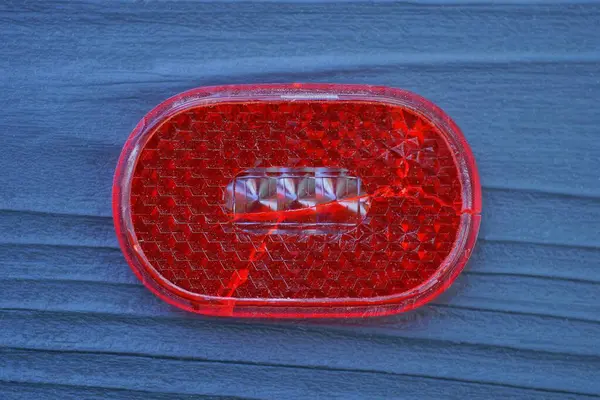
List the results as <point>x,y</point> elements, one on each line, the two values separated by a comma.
<point>297,200</point>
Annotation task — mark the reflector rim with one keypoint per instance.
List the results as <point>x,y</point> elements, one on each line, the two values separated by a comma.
<point>296,308</point>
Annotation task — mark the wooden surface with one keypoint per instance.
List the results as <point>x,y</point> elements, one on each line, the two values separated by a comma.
<point>523,82</point>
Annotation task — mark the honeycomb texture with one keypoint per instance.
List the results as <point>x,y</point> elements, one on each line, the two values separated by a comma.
<point>189,235</point>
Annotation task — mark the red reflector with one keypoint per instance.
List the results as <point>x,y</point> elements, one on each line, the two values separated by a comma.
<point>297,200</point>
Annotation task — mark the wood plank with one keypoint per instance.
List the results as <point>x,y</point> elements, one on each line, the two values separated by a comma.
<point>514,258</point>
<point>323,347</point>
<point>19,389</point>
<point>512,329</point>
<point>239,380</point>
<point>48,262</point>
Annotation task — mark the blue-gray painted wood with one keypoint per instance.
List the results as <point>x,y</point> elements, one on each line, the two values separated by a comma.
<point>522,79</point>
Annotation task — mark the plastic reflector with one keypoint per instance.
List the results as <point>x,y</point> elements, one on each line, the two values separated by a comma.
<point>297,200</point>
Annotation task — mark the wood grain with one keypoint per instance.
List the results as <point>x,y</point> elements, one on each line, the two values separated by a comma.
<point>519,77</point>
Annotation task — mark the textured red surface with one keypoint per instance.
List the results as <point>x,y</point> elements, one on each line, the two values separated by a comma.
<point>407,169</point>
<point>190,237</point>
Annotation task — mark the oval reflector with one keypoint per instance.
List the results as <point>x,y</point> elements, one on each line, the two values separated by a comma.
<point>299,200</point>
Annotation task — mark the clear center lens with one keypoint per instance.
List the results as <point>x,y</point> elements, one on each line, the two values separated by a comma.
<point>296,200</point>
